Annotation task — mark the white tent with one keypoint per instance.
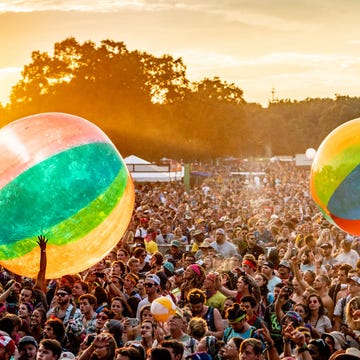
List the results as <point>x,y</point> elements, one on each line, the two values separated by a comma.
<point>144,171</point>
<point>132,159</point>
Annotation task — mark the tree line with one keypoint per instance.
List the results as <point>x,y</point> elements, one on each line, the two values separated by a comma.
<point>148,107</point>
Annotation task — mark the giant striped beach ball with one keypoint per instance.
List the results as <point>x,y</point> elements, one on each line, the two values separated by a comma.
<point>335,177</point>
<point>61,177</point>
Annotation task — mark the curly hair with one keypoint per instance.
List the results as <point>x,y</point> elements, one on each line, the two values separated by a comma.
<point>196,296</point>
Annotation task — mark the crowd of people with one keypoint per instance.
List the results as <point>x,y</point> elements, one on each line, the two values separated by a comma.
<point>253,267</point>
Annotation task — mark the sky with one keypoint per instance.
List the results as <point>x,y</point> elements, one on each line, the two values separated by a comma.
<point>284,49</point>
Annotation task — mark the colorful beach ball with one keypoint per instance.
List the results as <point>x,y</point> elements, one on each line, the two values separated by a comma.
<point>162,308</point>
<point>61,177</point>
<point>335,177</point>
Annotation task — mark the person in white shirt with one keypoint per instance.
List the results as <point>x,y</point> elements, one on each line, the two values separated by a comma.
<point>347,255</point>
<point>223,246</point>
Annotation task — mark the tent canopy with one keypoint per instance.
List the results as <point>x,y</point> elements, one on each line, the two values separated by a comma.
<point>132,159</point>
<point>144,171</point>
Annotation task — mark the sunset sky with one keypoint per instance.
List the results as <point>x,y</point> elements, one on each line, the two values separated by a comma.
<point>303,48</point>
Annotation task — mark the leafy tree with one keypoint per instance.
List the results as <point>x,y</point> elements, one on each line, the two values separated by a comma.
<point>147,106</point>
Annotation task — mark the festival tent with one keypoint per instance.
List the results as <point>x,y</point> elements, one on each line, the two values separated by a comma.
<point>144,171</point>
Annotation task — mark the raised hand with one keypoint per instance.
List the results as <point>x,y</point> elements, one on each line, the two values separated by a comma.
<point>42,241</point>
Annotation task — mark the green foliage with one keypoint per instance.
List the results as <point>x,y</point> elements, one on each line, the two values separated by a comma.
<point>148,107</point>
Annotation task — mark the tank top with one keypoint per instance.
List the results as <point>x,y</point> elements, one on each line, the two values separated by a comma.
<point>209,318</point>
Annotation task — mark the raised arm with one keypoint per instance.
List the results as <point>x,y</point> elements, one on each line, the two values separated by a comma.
<point>40,280</point>
<point>298,275</point>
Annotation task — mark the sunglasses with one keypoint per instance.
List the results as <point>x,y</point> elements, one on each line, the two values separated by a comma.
<point>102,317</point>
<point>149,285</point>
<point>313,301</point>
<point>61,294</point>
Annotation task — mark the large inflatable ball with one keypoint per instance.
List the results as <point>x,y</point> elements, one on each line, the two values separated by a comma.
<point>335,177</point>
<point>162,308</point>
<point>60,177</point>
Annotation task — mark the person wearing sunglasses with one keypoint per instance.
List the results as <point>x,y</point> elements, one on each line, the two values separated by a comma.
<point>152,290</point>
<point>71,317</point>
<point>65,310</point>
<point>316,315</point>
<point>102,317</point>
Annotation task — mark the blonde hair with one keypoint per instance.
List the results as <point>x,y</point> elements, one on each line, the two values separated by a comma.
<point>352,305</point>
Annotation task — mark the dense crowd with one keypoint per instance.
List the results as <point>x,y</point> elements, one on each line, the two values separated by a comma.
<point>253,267</point>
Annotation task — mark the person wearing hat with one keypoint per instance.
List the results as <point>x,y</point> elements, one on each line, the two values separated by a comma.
<point>178,280</point>
<point>152,289</point>
<point>175,250</point>
<point>203,250</point>
<point>7,347</point>
<point>27,348</point>
<point>284,270</point>
<point>351,353</point>
<point>339,311</point>
<point>168,268</point>
<point>198,237</point>
<point>335,340</point>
